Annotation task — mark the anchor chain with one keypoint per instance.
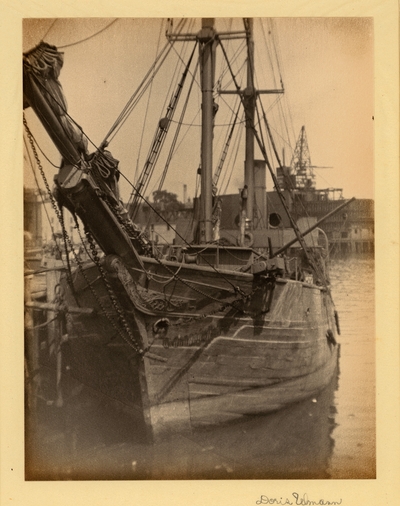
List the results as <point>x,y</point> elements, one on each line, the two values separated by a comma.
<point>134,234</point>
<point>50,194</point>
<point>131,341</point>
<point>113,298</point>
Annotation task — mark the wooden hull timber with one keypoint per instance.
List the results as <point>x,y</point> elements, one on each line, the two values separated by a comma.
<point>206,362</point>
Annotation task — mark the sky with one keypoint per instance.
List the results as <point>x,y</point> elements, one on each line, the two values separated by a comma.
<point>326,66</point>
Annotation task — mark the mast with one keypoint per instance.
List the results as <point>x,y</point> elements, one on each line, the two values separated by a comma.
<point>249,96</point>
<point>206,38</point>
<point>249,103</point>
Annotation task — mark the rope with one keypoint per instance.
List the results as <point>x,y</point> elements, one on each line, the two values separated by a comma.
<point>225,148</point>
<point>278,190</point>
<point>51,26</point>
<point>176,232</point>
<point>145,115</point>
<point>278,62</point>
<point>126,111</point>
<point>239,134</point>
<point>153,276</point>
<point>90,36</point>
<point>278,159</point>
<point>130,340</point>
<point>47,158</point>
<point>180,123</point>
<point>41,325</point>
<point>158,142</point>
<point>268,54</point>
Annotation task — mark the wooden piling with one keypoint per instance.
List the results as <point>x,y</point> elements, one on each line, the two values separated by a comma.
<point>31,365</point>
<point>54,337</point>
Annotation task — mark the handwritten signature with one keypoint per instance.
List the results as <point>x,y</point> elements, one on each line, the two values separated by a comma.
<point>299,500</point>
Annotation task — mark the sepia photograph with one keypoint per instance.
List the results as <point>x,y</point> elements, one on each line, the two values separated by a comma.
<point>199,248</point>
<point>200,224</point>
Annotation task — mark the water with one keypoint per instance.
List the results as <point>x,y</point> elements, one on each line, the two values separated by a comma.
<point>329,436</point>
<point>353,284</point>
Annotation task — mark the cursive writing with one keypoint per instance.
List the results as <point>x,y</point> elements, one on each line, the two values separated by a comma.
<point>297,499</point>
<point>264,499</point>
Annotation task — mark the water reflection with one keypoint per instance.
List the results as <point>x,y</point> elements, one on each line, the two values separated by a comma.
<point>88,440</point>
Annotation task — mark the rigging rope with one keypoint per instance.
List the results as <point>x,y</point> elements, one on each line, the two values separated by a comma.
<point>145,115</point>
<point>130,105</point>
<point>268,53</point>
<point>44,154</point>
<point>62,108</point>
<point>90,36</point>
<point>225,148</point>
<point>300,238</point>
<point>271,140</point>
<point>282,116</point>
<point>178,129</point>
<point>51,196</point>
<point>178,234</point>
<point>291,188</point>
<point>310,257</point>
<point>239,135</point>
<point>51,26</point>
<point>275,48</point>
<point>158,142</point>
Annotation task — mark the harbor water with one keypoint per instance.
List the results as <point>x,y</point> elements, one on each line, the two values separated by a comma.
<point>329,436</point>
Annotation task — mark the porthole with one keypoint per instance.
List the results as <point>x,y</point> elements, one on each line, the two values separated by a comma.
<point>274,220</point>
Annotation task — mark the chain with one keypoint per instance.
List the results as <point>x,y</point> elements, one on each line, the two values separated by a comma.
<point>114,300</point>
<point>129,227</point>
<point>126,223</point>
<point>66,239</point>
<point>54,205</point>
<point>49,192</point>
<point>81,238</point>
<point>131,342</point>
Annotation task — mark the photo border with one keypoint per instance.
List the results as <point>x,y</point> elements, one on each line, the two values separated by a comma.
<point>384,489</point>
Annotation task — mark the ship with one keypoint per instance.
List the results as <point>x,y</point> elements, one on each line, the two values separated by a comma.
<point>350,232</point>
<point>191,335</point>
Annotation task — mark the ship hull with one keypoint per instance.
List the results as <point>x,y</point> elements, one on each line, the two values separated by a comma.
<point>213,403</point>
<point>205,362</point>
